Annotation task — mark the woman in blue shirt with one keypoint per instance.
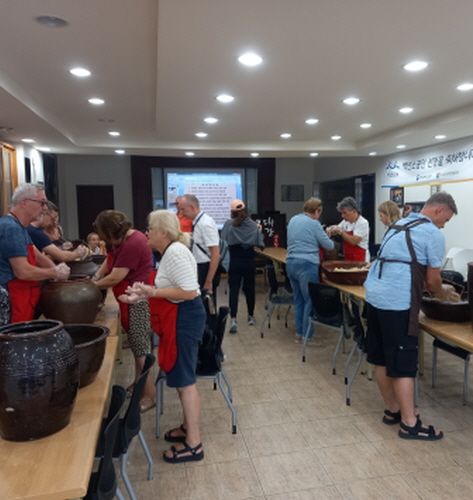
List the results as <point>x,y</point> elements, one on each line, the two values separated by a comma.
<point>305,236</point>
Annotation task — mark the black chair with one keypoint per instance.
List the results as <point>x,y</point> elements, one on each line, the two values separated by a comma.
<point>130,426</point>
<point>327,310</point>
<point>209,366</point>
<point>103,483</point>
<point>277,296</point>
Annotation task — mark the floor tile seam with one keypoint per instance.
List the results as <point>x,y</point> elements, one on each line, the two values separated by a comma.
<point>400,476</point>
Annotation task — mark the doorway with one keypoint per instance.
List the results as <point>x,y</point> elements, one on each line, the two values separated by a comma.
<point>90,201</point>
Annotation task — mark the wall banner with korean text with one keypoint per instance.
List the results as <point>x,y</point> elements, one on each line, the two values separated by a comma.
<point>456,165</point>
<point>273,227</point>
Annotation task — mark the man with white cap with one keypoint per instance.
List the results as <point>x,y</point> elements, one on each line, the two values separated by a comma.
<point>241,234</point>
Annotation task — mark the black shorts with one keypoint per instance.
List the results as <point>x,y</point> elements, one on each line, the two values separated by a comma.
<point>388,343</point>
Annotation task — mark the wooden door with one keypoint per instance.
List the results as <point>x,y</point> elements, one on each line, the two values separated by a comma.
<point>90,201</point>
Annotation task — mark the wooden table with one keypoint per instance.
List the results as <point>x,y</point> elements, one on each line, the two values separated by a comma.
<point>59,466</point>
<point>277,254</point>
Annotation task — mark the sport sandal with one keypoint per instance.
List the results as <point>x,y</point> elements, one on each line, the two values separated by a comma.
<point>171,438</point>
<point>418,432</point>
<point>392,417</point>
<point>186,454</point>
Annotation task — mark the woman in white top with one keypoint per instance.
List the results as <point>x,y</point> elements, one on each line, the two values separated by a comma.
<point>176,281</point>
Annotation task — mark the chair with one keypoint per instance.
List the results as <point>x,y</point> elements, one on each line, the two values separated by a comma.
<point>276,298</point>
<point>327,310</point>
<point>103,483</point>
<point>130,426</point>
<point>456,351</point>
<point>208,367</point>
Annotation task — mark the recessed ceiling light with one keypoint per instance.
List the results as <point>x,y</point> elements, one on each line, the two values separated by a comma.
<point>373,153</point>
<point>254,155</point>
<point>351,101</point>
<point>210,120</point>
<point>314,154</point>
<point>225,98</point>
<point>401,146</point>
<point>190,153</point>
<point>114,133</point>
<point>201,135</point>
<point>312,121</point>
<point>51,21</point>
<point>336,137</point>
<point>44,149</point>
<point>414,66</point>
<point>406,110</point>
<point>80,72</point>
<point>439,137</point>
<point>120,151</point>
<point>365,125</point>
<point>250,59</point>
<point>96,101</point>
<point>465,87</point>
<point>285,135</point>
<point>28,140</point>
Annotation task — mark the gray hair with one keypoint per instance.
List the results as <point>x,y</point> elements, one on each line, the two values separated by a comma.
<point>347,203</point>
<point>24,191</point>
<point>443,198</point>
<point>191,200</point>
<point>167,222</point>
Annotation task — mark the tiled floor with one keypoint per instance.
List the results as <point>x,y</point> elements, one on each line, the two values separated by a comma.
<point>297,440</point>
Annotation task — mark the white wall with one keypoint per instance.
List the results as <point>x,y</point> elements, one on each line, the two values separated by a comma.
<point>36,163</point>
<point>76,170</point>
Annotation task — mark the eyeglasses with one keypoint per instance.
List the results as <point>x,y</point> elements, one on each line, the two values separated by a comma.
<point>43,203</point>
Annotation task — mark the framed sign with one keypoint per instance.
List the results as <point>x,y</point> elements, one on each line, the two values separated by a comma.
<point>292,192</point>
<point>396,194</point>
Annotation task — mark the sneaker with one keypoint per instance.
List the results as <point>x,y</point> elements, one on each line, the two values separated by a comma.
<point>251,320</point>
<point>233,326</point>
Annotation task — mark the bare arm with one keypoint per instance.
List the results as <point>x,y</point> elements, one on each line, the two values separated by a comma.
<point>433,280</point>
<point>350,238</point>
<point>174,293</point>
<point>59,255</point>
<point>140,291</point>
<point>116,275</point>
<point>43,260</point>
<point>23,270</point>
<point>213,266</point>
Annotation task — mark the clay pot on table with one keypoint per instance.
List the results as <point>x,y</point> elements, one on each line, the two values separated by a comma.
<point>355,276</point>
<point>455,312</point>
<point>89,342</point>
<point>85,267</point>
<point>72,301</point>
<point>39,378</point>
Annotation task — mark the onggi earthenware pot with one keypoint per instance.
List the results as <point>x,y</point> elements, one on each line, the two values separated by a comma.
<point>73,301</point>
<point>89,342</point>
<point>85,267</point>
<point>455,312</point>
<point>39,378</point>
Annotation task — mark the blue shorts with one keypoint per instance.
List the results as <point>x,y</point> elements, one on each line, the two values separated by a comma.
<point>191,319</point>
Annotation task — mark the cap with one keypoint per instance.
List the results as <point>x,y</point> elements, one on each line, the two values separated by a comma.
<point>236,205</point>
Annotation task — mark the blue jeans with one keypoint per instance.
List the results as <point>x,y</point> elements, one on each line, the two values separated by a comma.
<point>300,274</point>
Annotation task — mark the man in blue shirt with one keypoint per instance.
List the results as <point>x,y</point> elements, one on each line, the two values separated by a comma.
<point>410,257</point>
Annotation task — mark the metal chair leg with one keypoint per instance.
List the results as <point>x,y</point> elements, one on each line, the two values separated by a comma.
<point>434,366</point>
<point>229,402</point>
<point>350,379</point>
<point>304,339</point>
<point>149,458</point>
<point>465,380</point>
<point>287,314</point>
<point>119,494</point>
<point>336,352</point>
<point>159,404</point>
<point>126,479</point>
<point>227,383</point>
<point>267,318</point>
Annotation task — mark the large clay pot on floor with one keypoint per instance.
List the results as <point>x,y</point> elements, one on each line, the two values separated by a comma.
<point>73,301</point>
<point>39,378</point>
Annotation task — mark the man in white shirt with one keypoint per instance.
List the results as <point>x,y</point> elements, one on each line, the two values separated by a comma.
<point>205,241</point>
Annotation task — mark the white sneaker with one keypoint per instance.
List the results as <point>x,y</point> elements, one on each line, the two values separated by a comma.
<point>233,326</point>
<point>251,320</point>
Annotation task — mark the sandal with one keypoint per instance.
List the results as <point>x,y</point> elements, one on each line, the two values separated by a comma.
<point>170,436</point>
<point>181,455</point>
<point>392,417</point>
<point>418,432</point>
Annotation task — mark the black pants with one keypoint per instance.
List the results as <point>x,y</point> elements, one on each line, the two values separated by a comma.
<point>202,271</point>
<point>242,271</point>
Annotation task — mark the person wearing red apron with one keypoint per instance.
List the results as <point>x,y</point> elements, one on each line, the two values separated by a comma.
<point>409,258</point>
<point>354,230</point>
<point>129,261</point>
<point>22,267</point>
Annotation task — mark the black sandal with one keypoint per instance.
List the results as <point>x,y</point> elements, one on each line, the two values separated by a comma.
<point>168,436</point>
<point>181,455</point>
<point>418,432</point>
<point>392,417</point>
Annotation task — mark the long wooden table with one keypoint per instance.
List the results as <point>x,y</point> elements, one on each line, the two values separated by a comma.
<point>58,467</point>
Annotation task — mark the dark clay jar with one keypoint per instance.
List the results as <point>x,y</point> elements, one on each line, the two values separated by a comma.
<point>39,379</point>
<point>470,289</point>
<point>75,301</point>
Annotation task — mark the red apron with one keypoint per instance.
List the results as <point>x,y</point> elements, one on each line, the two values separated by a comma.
<point>163,321</point>
<point>24,294</point>
<point>353,252</point>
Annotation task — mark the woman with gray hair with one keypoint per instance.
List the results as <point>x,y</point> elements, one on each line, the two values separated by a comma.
<point>176,282</point>
<point>354,230</point>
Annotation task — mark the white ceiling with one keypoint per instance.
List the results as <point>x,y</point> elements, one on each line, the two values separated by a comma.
<point>160,64</point>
